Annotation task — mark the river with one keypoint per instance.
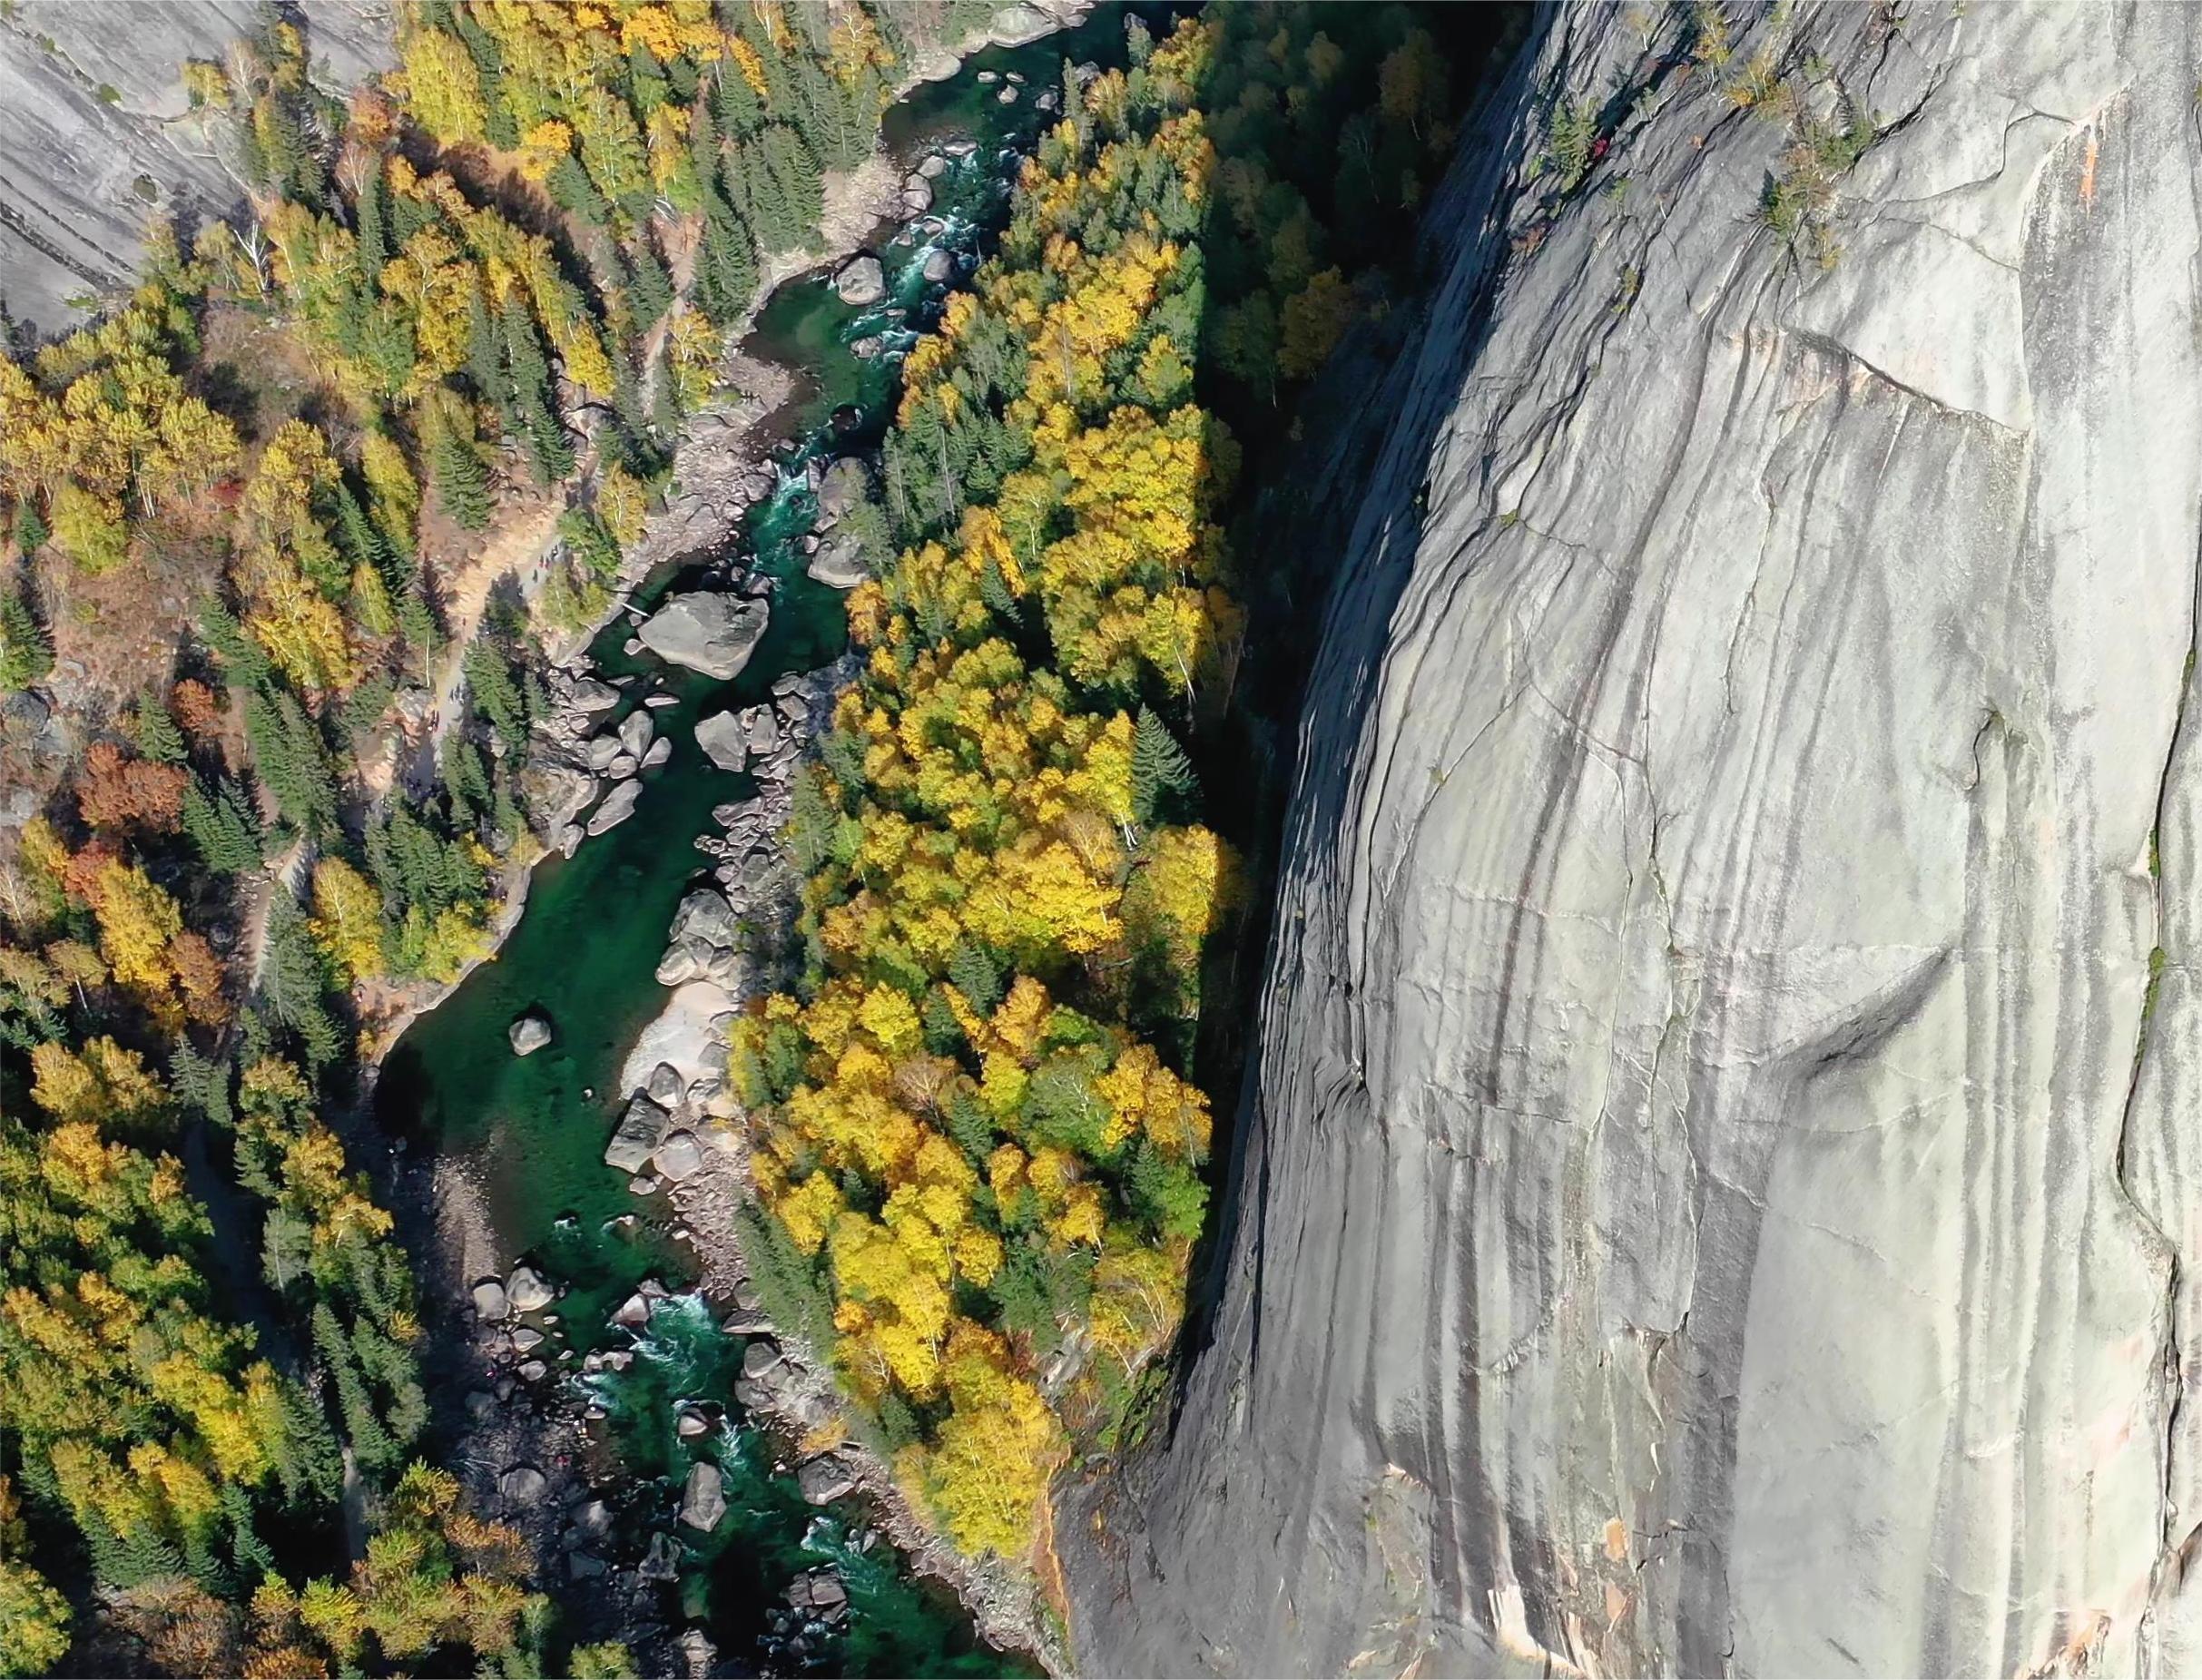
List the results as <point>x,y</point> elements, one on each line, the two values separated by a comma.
<point>531,1131</point>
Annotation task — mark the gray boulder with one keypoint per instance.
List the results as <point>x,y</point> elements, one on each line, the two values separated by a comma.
<point>679,1158</point>
<point>529,1033</point>
<point>617,807</point>
<point>588,694</point>
<point>527,1291</point>
<point>634,732</point>
<point>825,1478</point>
<point>523,1484</point>
<point>841,488</point>
<point>636,1139</point>
<point>839,563</point>
<point>721,737</point>
<point>662,1562</point>
<point>490,1303</point>
<point>860,280</point>
<point>713,633</point>
<point>704,1497</point>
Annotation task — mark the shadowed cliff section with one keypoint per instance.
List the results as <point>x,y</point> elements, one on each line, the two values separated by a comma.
<point>1718,1189</point>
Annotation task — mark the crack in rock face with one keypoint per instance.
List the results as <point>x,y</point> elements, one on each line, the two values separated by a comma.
<point>1719,1189</point>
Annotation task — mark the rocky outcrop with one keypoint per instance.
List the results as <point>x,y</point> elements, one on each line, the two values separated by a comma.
<point>713,633</point>
<point>96,134</point>
<point>1718,1193</point>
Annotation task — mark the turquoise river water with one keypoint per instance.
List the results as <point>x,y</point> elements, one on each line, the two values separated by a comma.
<point>533,1129</point>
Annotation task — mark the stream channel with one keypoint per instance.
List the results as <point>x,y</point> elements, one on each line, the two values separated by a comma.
<point>531,1132</point>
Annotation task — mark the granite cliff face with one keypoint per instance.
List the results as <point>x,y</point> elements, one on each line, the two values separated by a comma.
<point>95,132</point>
<point>1719,1193</point>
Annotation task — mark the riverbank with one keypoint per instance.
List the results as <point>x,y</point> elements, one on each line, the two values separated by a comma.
<point>515,1144</point>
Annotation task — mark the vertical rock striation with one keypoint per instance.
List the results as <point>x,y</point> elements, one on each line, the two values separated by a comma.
<point>1719,1193</point>
<point>96,134</point>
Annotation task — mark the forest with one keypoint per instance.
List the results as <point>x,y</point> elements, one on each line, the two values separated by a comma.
<point>978,1118</point>
<point>495,282</point>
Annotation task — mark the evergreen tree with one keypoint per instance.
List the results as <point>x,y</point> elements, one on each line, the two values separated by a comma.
<point>370,1443</point>
<point>26,653</point>
<point>649,289</point>
<point>573,193</point>
<point>735,103</point>
<point>242,659</point>
<point>535,395</point>
<point>485,360</point>
<point>1161,774</point>
<point>494,694</point>
<point>801,183</point>
<point>289,754</point>
<point>294,978</point>
<point>726,264</point>
<point>371,214</point>
<point>30,532</point>
<point>454,468</point>
<point>222,826</point>
<point>975,976</point>
<point>157,736</point>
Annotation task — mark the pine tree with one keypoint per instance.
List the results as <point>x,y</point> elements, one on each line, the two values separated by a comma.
<point>30,527</point>
<point>455,466</point>
<point>975,977</point>
<point>801,184</point>
<point>649,289</point>
<point>535,395</point>
<point>222,826</point>
<point>293,980</point>
<point>158,737</point>
<point>370,1442</point>
<point>26,653</point>
<point>1161,772</point>
<point>735,104</point>
<point>726,266</point>
<point>372,217</point>
<point>994,590</point>
<point>289,754</point>
<point>243,659</point>
<point>485,360</point>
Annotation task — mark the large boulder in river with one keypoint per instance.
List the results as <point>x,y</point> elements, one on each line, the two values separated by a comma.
<point>841,488</point>
<point>529,1033</point>
<point>527,1291</point>
<point>826,1479</point>
<point>860,280</point>
<point>711,633</point>
<point>704,1497</point>
<point>1719,1190</point>
<point>720,736</point>
<point>617,807</point>
<point>637,1137</point>
<point>839,563</point>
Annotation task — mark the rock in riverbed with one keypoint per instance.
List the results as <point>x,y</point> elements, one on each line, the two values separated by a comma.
<point>713,633</point>
<point>704,1498</point>
<point>529,1033</point>
<point>860,280</point>
<point>839,563</point>
<point>826,1479</point>
<point>641,1129</point>
<point>721,737</point>
<point>527,1291</point>
<point>617,807</point>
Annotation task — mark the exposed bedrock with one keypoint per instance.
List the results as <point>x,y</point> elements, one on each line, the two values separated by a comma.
<point>1719,1190</point>
<point>96,134</point>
